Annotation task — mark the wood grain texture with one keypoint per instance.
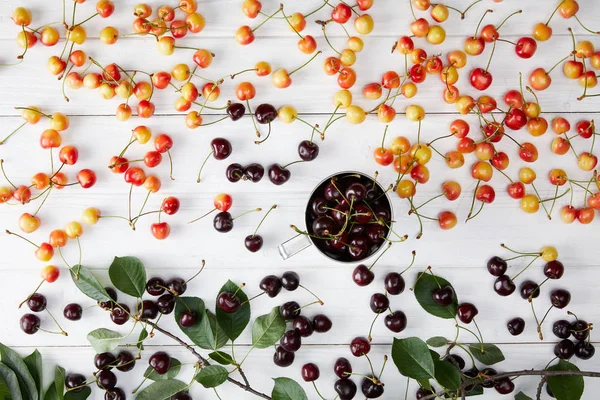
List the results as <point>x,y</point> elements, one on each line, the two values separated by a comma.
<point>458,255</point>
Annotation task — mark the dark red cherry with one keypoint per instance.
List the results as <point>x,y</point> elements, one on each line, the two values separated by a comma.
<point>466,312</point>
<point>504,286</point>
<point>580,329</point>
<point>106,380</point>
<point>497,266</point>
<point>331,192</point>
<point>119,314</point>
<point>359,247</point>
<point>254,172</point>
<point>504,386</point>
<point>357,230</point>
<point>322,323</point>
<point>283,358</point>
<point>444,296</point>
<point>308,150</point>
<point>221,148</point>
<point>560,298</point>
<point>290,281</point>
<point>379,303</point>
<point>324,226</point>
<point>396,321</point>
<point>359,346</point>
<point>370,389</point>
<point>310,372</point>
<point>303,325</point>
<point>253,242</point>
<point>290,310</point>
<point>73,312</point>
<point>529,289</point>
<point>155,286</point>
<point>319,206</point>
<point>291,341</point>
<point>345,388</point>
<point>342,368</point>
<point>515,326</point>
<point>584,350</point>
<point>265,113</point>
<point>234,172</point>
<point>126,361</point>
<point>177,286</point>
<point>108,305</point>
<point>30,323</point>
<point>75,382</point>
<point>362,275</point>
<point>564,349</point>
<point>223,222</point>
<point>166,303</point>
<point>236,111</point>
<point>161,362</point>
<point>115,394</point>
<point>562,329</point>
<point>148,310</point>
<point>356,192</point>
<point>394,283</point>
<point>228,302</point>
<point>188,319</point>
<point>105,361</point>
<point>37,302</point>
<point>554,269</point>
<point>278,175</point>
<point>271,285</point>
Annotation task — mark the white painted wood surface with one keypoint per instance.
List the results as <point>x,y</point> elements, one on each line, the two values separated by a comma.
<point>458,255</point>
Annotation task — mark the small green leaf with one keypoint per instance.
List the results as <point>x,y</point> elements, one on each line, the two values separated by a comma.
<point>221,357</point>
<point>11,381</point>
<point>437,341</point>
<point>211,376</point>
<point>34,365</point>
<point>141,338</point>
<point>234,323</point>
<point>447,375</point>
<point>82,395</point>
<point>128,275</point>
<point>51,393</point>
<point>170,374</point>
<point>488,354</point>
<point>287,389</point>
<point>268,329</point>
<point>59,381</point>
<point>424,383</point>
<point>423,292</point>
<point>13,361</point>
<point>161,390</point>
<point>412,357</point>
<point>88,284</point>
<point>104,340</point>
<point>565,387</point>
<point>522,396</point>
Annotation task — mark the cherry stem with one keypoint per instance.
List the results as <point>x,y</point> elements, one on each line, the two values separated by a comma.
<point>314,295</point>
<point>202,166</point>
<point>274,206</point>
<point>317,390</point>
<point>473,201</point>
<point>572,39</point>
<point>584,27</point>
<point>305,64</point>
<point>290,24</point>
<point>252,117</point>
<point>62,331</point>
<point>480,21</point>
<point>439,138</point>
<point>292,163</point>
<point>429,201</point>
<point>556,197</point>
<point>85,20</point>
<point>542,321</point>
<point>170,165</point>
<point>129,205</point>
<point>232,76</point>
<point>586,79</point>
<point>34,110</point>
<point>265,138</point>
<point>12,133</point>
<point>202,216</point>
<point>554,200</point>
<point>126,147</point>
<point>539,199</point>
<point>419,133</point>
<point>141,209</point>
<point>506,19</point>
<point>554,12</point>
<point>250,299</point>
<point>412,10</point>
<point>43,200</point>
<point>526,267</point>
<point>412,206</point>
<point>381,255</point>
<point>487,67</point>
<point>34,292</point>
<point>371,327</point>
<point>24,238</point>
<point>505,41</point>
<point>269,17</point>
<point>247,212</point>
<point>309,304</point>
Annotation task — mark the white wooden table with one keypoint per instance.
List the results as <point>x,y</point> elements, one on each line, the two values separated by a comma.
<point>458,255</point>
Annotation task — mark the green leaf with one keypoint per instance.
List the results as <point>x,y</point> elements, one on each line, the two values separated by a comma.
<point>490,354</point>
<point>200,333</point>
<point>11,381</point>
<point>4,389</point>
<point>170,374</point>
<point>565,387</point>
<point>234,323</point>
<point>141,338</point>
<point>51,393</point>
<point>88,284</point>
<point>447,375</point>
<point>424,383</point>
<point>84,394</point>
<point>437,341</point>
<point>268,329</point>
<point>476,391</point>
<point>412,357</point>
<point>34,365</point>
<point>162,390</point>
<point>221,357</point>
<point>13,361</point>
<point>211,376</point>
<point>59,381</point>
<point>104,340</point>
<point>423,292</point>
<point>287,389</point>
<point>522,396</point>
<point>128,275</point>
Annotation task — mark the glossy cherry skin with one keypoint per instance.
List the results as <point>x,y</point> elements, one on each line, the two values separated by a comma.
<point>161,362</point>
<point>126,361</point>
<point>396,321</point>
<point>560,298</point>
<point>223,222</point>
<point>166,303</point>
<point>504,286</point>
<point>271,285</point>
<point>362,276</point>
<point>221,148</point>
<point>310,372</point>
<point>106,380</point>
<point>290,281</point>
<point>234,172</point>
<point>155,286</point>
<point>308,150</point>
<point>228,302</point>
<point>290,310</point>
<point>342,368</point>
<point>303,325</point>
<point>283,358</point>
<point>236,111</point>
<point>105,361</point>
<point>253,242</point>
<point>444,296</point>
<point>515,326</point>
<point>580,330</point>
<point>321,323</point>
<point>75,382</point>
<point>584,350</point>
<point>564,349</point>
<point>265,113</point>
<point>278,175</point>
<point>30,324</point>
<point>480,79</point>
<point>177,286</point>
<point>119,314</point>
<point>188,319</point>
<point>148,310</point>
<point>496,266</point>
<point>526,47</point>
<point>504,386</point>
<point>37,302</point>
<point>466,312</point>
<point>73,312</point>
<point>254,172</point>
<point>561,329</point>
<point>345,388</point>
<point>394,283</point>
<point>360,346</point>
<point>379,303</point>
<point>554,269</point>
<point>529,289</point>
<point>370,389</point>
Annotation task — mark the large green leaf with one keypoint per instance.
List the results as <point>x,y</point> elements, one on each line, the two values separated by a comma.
<point>51,393</point>
<point>11,381</point>
<point>34,365</point>
<point>222,358</point>
<point>211,376</point>
<point>81,395</point>
<point>268,329</point>
<point>423,292</point>
<point>161,390</point>
<point>200,333</point>
<point>234,323</point>
<point>128,275</point>
<point>104,340</point>
<point>522,396</point>
<point>287,389</point>
<point>170,374</point>
<point>59,381</point>
<point>13,361</point>
<point>447,375</point>
<point>413,359</point>
<point>565,387</point>
<point>88,284</point>
<point>488,354</point>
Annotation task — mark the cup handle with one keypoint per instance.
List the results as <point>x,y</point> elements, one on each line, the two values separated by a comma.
<point>293,246</point>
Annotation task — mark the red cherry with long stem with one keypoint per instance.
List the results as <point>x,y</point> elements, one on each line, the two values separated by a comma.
<point>474,45</point>
<point>489,33</point>
<point>222,202</point>
<point>540,79</point>
<point>482,79</point>
<point>254,242</point>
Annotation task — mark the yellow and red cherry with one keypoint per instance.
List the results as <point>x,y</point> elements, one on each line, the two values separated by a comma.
<point>91,215</point>
<point>355,114</point>
<point>308,45</point>
<point>342,98</point>
<point>482,170</point>
<point>118,165</point>
<point>486,104</point>
<point>420,27</point>
<point>58,238</point>
<point>454,159</point>
<point>537,126</point>
<point>493,131</point>
<point>178,28</point>
<point>585,128</point>
<point>142,90</point>
<point>528,152</point>
<point>251,8</point>
<point>22,194</point>
<point>166,13</point>
<point>390,80</point>
<point>560,125</point>
<point>489,33</point>
<point>516,190</point>
<point>406,188</point>
<point>188,6</point>
<point>513,99</point>
<point>451,190</point>
<point>364,24</point>
<point>584,49</point>
<point>245,91</point>
<point>152,184</point>
<point>530,203</point>
<point>383,156</point>
<point>195,22</point>
<point>141,26</point>
<point>527,175</point>
<point>49,36</point>
<point>56,65</point>
<point>436,34</point>
<point>244,35</point>
<point>181,72</point>
<point>515,119</point>
<point>152,159</point>
<point>355,44</point>
<point>500,160</point>
<point>466,145</point>
<point>332,65</point>
<point>557,177</point>
<point>346,78</point>
<point>297,22</point>
<point>170,205</point>
<point>27,40</point>
<point>418,56</point>
<point>160,230</point>
<point>439,13</point>
<point>421,153</point>
<point>420,173</point>
<point>77,34</point>
<point>418,73</point>
<point>573,69</point>
<point>526,47</point>
<point>586,215</point>
<point>73,229</point>
<point>59,180</point>
<point>262,68</point>
<point>539,79</point>
<point>50,273</point>
<point>434,65</point>
<point>422,5</point>
<point>341,13</point>
<point>588,80</point>
<point>109,35</point>
<point>447,220</point>
<point>44,252</point>
<point>400,145</point>
<point>409,90</point>
<point>372,91</point>
<point>203,58</point>
<point>21,16</point>
<point>145,109</point>
<point>364,5</point>
<point>142,10</point>
<point>386,114</point>
<point>92,80</point>
<point>568,214</point>
<point>40,181</point>
<point>28,223</point>
<point>86,178</point>
<point>347,57</point>
<point>135,176</point>
<point>166,45</point>
<point>542,32</point>
<point>403,164</point>
<point>485,194</point>
<point>457,58</point>
<point>405,45</point>
<point>223,202</point>
<point>459,128</point>
<point>587,161</point>
<point>474,46</point>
